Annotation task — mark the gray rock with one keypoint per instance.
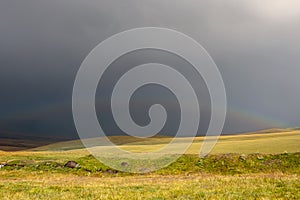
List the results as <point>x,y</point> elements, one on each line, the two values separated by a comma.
<point>72,164</point>
<point>124,164</point>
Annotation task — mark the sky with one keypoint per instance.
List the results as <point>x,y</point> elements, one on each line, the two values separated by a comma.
<point>255,44</point>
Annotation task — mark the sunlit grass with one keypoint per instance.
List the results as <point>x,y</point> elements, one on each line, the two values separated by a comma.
<point>270,142</point>
<point>250,166</point>
<point>273,186</point>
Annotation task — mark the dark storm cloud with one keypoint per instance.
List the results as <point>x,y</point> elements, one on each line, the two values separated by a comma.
<point>42,44</point>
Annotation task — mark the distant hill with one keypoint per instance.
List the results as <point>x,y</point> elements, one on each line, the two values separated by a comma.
<point>264,141</point>
<point>11,141</point>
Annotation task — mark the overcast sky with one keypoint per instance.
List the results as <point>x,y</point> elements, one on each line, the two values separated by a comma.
<point>255,44</point>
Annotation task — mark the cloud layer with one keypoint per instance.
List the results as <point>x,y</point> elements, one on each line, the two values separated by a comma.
<point>255,44</point>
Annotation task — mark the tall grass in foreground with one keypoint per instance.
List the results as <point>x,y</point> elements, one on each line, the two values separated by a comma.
<point>58,186</point>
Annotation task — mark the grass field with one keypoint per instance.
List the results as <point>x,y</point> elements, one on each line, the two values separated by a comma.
<point>267,141</point>
<point>262,165</point>
<point>260,186</point>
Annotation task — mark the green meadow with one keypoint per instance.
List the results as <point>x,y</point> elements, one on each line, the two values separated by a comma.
<point>260,165</point>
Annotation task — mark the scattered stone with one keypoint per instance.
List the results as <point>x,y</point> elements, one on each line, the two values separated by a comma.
<point>72,164</point>
<point>143,170</point>
<point>272,162</point>
<point>1,166</point>
<point>260,157</point>
<point>124,164</point>
<point>111,171</point>
<point>243,157</point>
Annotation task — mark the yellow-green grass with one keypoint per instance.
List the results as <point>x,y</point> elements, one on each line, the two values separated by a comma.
<point>267,142</point>
<point>270,143</point>
<point>272,174</point>
<point>287,141</point>
<point>61,186</point>
<point>215,177</point>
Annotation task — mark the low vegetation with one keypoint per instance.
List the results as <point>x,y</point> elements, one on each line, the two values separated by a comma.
<point>66,186</point>
<point>223,164</point>
<point>262,172</point>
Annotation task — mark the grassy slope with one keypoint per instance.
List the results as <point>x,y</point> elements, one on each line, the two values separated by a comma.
<point>227,176</point>
<point>287,140</point>
<point>41,175</point>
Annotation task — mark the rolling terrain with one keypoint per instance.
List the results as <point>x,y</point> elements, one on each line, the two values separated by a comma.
<point>258,165</point>
<point>269,141</point>
<point>11,141</point>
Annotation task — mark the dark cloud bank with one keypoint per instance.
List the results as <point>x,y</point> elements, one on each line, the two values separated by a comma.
<point>42,44</point>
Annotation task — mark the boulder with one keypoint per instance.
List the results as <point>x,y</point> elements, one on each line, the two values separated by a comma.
<point>72,164</point>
